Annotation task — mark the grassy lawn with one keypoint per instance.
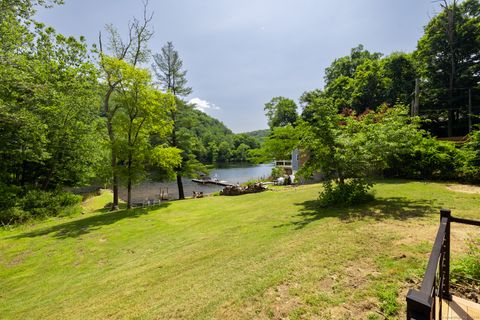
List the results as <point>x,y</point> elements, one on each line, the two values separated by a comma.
<point>269,255</point>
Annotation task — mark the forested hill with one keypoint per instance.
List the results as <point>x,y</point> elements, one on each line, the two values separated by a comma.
<point>260,135</point>
<point>217,143</point>
<point>209,125</point>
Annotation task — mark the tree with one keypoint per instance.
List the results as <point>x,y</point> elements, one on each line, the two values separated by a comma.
<point>369,86</point>
<point>168,68</point>
<point>142,111</point>
<point>48,115</point>
<point>346,66</point>
<point>347,149</point>
<point>134,50</point>
<point>48,90</point>
<point>448,59</point>
<point>400,69</point>
<point>365,80</point>
<point>281,112</point>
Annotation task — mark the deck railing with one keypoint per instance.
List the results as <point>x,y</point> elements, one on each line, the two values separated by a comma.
<point>421,304</point>
<point>283,163</point>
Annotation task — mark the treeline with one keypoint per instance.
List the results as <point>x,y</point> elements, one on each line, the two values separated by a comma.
<point>218,144</point>
<point>378,115</point>
<point>446,64</point>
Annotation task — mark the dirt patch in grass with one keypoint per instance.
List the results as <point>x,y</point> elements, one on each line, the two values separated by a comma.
<point>465,188</point>
<point>19,259</point>
<point>359,310</point>
<point>359,274</point>
<point>283,303</point>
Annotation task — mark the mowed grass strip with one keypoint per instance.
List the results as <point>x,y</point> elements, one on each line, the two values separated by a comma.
<point>269,255</point>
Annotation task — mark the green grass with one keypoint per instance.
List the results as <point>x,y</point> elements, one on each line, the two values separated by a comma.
<point>269,255</point>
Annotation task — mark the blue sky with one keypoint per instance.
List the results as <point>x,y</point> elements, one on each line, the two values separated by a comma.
<point>240,54</point>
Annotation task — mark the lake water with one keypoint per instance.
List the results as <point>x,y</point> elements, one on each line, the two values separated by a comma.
<point>232,174</point>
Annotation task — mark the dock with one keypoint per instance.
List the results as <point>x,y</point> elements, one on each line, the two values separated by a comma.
<point>213,181</point>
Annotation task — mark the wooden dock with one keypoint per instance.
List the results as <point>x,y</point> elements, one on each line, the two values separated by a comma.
<point>459,309</point>
<point>213,181</point>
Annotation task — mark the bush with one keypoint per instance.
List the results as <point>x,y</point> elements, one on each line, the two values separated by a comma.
<point>351,192</point>
<point>14,215</point>
<point>429,159</point>
<point>37,204</point>
<point>43,203</point>
<point>470,160</point>
<point>277,173</point>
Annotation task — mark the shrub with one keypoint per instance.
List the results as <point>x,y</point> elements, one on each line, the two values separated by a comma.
<point>37,204</point>
<point>277,173</point>
<point>470,158</point>
<point>428,159</point>
<point>351,192</point>
<point>14,215</point>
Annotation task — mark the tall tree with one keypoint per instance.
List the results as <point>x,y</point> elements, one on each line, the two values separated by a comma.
<point>347,149</point>
<point>168,68</point>
<point>142,111</point>
<point>400,69</point>
<point>449,59</point>
<point>281,112</point>
<point>48,85</point>
<point>48,113</point>
<point>133,50</point>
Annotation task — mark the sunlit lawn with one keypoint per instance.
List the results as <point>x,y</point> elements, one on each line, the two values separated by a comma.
<point>269,255</point>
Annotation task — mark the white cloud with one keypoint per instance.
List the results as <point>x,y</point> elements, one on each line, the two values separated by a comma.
<point>203,105</point>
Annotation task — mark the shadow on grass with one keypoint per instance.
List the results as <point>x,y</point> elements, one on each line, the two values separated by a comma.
<point>379,209</point>
<point>86,225</point>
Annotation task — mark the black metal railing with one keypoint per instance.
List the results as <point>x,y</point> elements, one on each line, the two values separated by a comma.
<point>421,304</point>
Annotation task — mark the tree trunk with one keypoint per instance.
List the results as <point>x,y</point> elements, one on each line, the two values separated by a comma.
<point>451,38</point>
<point>451,116</point>
<point>181,195</point>
<point>114,182</point>
<point>111,137</point>
<point>129,193</point>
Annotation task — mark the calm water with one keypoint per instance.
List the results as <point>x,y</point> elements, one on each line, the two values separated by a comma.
<point>232,174</point>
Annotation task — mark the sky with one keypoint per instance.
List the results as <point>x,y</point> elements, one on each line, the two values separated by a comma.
<point>240,54</point>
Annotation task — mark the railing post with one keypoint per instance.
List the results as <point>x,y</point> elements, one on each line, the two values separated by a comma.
<point>445,213</point>
<point>419,306</point>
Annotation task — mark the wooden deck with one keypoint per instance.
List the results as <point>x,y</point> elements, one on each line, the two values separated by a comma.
<point>460,309</point>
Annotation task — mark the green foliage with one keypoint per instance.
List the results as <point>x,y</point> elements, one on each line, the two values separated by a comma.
<point>281,112</point>
<point>168,67</point>
<point>429,158</point>
<point>469,264</point>
<point>280,143</point>
<point>365,80</point>
<point>349,193</point>
<point>470,160</point>
<point>277,173</point>
<point>369,86</point>
<point>142,111</point>
<point>345,147</point>
<point>48,103</point>
<point>258,135</point>
<point>388,296</point>
<point>447,56</point>
<point>346,66</point>
<point>37,204</point>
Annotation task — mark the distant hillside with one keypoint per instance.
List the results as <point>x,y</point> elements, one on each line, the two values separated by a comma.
<point>206,124</point>
<point>215,143</point>
<point>260,135</point>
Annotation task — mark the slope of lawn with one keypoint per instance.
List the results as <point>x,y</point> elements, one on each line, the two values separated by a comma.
<point>269,255</point>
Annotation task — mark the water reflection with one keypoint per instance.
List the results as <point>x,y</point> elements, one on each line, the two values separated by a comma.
<point>231,173</point>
